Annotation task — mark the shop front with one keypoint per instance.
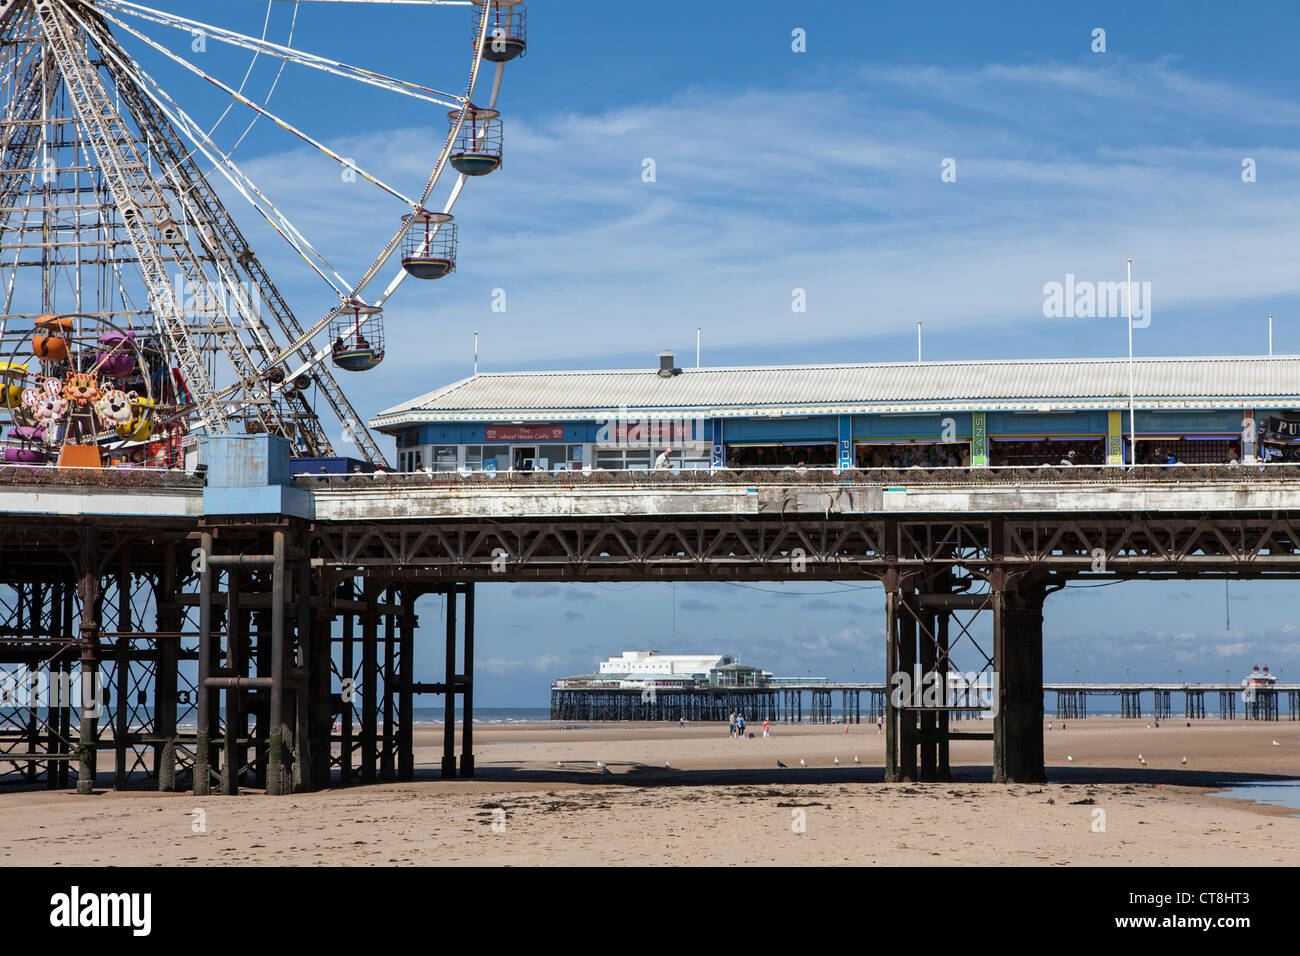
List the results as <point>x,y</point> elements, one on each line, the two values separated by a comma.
<point>1039,439</point>
<point>1191,438</point>
<point>1278,437</point>
<point>781,441</point>
<point>912,441</point>
<point>495,448</point>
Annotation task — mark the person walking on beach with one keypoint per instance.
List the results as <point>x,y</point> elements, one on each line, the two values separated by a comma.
<point>880,723</point>
<point>767,729</point>
<point>733,724</point>
<point>740,725</point>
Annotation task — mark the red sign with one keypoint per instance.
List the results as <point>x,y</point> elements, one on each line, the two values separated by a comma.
<point>525,433</point>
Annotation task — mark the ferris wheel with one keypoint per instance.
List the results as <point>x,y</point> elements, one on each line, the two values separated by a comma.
<point>133,183</point>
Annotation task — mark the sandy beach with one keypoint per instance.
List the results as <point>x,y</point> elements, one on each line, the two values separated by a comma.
<point>541,797</point>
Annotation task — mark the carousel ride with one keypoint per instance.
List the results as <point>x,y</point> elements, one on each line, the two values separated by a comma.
<point>136,314</point>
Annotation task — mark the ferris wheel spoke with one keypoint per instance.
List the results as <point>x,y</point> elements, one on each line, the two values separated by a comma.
<point>282,123</point>
<point>304,340</point>
<point>230,170</point>
<point>275,83</point>
<point>431,183</point>
<point>288,54</point>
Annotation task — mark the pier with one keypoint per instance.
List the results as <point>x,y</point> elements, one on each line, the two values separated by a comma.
<point>858,701</point>
<point>249,628</point>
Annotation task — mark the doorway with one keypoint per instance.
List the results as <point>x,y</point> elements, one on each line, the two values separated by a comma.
<point>524,456</point>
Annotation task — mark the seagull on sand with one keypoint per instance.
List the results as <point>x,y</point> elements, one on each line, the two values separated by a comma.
<point>1184,761</point>
<point>855,759</point>
<point>1142,760</point>
<point>836,761</point>
<point>1069,758</point>
<point>667,765</point>
<point>1276,744</point>
<point>802,762</point>
<point>604,768</point>
<point>781,765</point>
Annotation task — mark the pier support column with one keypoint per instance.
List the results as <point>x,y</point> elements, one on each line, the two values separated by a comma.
<point>467,692</point>
<point>449,724</point>
<point>91,698</point>
<point>369,680</point>
<point>276,784</point>
<point>204,704</point>
<point>388,750</point>
<point>1018,664</point>
<point>234,754</point>
<point>406,700</point>
<point>168,618</point>
<point>122,674</point>
<point>891,668</point>
<point>347,685</point>
<point>944,768</point>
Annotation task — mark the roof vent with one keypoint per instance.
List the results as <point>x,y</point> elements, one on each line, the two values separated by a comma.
<point>666,367</point>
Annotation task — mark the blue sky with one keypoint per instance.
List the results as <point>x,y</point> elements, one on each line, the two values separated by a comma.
<point>819,170</point>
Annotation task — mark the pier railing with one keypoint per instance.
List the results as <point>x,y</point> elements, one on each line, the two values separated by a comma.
<point>702,478</point>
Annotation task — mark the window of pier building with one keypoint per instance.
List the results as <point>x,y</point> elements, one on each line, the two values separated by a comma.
<point>643,459</point>
<point>1190,451</point>
<point>781,455</point>
<point>1037,452</point>
<point>913,454</point>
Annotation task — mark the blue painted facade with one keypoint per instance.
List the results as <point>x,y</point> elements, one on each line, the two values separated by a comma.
<point>845,440</point>
<point>830,428</point>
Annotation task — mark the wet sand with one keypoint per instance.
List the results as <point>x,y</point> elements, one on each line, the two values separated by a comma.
<point>540,797</point>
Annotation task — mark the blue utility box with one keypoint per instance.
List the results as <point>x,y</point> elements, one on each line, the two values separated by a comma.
<point>251,475</point>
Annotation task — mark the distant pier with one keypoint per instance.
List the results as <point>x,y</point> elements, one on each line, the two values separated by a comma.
<point>785,703</point>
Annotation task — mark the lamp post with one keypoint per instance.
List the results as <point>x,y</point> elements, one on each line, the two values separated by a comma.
<point>1132,428</point>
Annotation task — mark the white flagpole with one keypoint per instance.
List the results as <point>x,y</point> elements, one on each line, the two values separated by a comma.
<point>1132,428</point>
<point>476,351</point>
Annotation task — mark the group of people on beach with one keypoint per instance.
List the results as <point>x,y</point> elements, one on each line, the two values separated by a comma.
<point>737,725</point>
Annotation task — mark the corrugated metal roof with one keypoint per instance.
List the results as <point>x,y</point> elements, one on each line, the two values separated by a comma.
<point>1102,381</point>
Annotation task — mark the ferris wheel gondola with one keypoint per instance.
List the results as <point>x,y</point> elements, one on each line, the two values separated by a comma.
<point>358,337</point>
<point>507,30</point>
<point>429,248</point>
<point>153,249</point>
